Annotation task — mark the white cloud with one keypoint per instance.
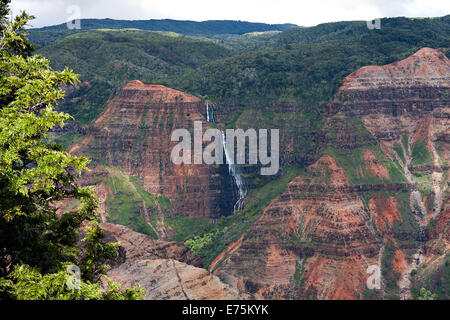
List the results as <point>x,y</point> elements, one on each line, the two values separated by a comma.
<point>301,12</point>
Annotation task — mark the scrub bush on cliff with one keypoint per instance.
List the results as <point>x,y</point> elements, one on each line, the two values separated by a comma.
<point>36,243</point>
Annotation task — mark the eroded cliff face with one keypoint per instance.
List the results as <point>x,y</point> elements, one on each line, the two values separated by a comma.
<point>136,246</point>
<point>131,143</point>
<point>165,270</point>
<point>405,105</point>
<point>311,242</point>
<point>367,201</point>
<point>376,198</point>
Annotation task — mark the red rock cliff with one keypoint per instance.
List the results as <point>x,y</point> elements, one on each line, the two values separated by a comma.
<point>386,149</point>
<point>133,135</point>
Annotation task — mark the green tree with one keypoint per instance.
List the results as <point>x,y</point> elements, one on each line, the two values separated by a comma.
<point>96,253</point>
<point>424,294</point>
<point>37,243</point>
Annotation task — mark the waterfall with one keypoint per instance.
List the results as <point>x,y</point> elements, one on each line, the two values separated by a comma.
<point>233,170</point>
<point>210,115</point>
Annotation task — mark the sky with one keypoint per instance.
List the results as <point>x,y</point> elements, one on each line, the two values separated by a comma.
<point>300,12</point>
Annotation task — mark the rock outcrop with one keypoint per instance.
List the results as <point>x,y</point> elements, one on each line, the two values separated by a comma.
<point>134,136</point>
<point>413,86</point>
<point>409,97</point>
<point>165,270</point>
<point>136,246</point>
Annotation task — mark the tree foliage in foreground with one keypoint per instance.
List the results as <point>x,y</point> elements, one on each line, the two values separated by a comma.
<point>37,242</point>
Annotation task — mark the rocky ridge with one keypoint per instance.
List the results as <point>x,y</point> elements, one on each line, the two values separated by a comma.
<point>165,270</point>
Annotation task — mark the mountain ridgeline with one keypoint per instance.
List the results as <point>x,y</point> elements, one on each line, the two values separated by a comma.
<point>364,147</point>
<point>211,29</point>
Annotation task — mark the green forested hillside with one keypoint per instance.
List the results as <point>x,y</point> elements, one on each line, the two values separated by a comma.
<point>308,64</point>
<point>391,28</point>
<point>107,59</point>
<point>301,64</point>
<point>212,28</point>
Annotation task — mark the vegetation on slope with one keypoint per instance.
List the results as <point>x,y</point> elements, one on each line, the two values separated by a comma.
<point>107,59</point>
<point>125,205</point>
<point>209,243</point>
<point>313,62</point>
<point>211,28</point>
<point>435,279</point>
<point>37,244</point>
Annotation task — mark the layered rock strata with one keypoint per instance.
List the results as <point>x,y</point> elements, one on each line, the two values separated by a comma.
<point>165,270</point>
<point>134,135</point>
<point>363,203</point>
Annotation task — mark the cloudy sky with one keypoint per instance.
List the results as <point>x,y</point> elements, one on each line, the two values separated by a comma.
<point>301,12</point>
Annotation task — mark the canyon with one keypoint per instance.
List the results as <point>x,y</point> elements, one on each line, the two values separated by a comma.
<point>375,192</point>
<point>225,160</point>
<point>361,203</point>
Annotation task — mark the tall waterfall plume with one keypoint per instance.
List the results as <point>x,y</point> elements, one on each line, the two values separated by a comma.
<point>233,169</point>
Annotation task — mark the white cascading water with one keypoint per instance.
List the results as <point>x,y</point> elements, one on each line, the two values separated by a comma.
<point>210,116</point>
<point>233,170</point>
<point>237,178</point>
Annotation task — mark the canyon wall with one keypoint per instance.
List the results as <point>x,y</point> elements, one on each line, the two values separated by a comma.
<point>381,182</point>
<point>376,198</point>
<point>133,136</point>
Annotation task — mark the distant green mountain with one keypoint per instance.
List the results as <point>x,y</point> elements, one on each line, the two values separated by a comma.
<point>276,40</point>
<point>308,64</point>
<point>306,73</point>
<point>302,65</point>
<point>212,28</point>
<point>107,59</point>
